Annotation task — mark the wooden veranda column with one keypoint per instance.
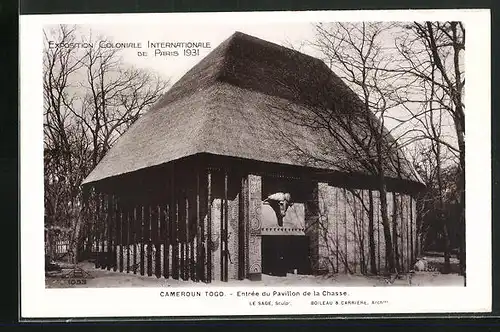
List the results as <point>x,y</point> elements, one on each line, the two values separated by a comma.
<point>187,247</point>
<point>128,239</point>
<point>149,252</point>
<point>311,215</point>
<point>412,227</point>
<point>166,241</point>
<point>321,226</point>
<point>242,233</point>
<point>133,225</point>
<point>200,262</point>
<point>174,224</point>
<point>120,236</point>
<point>223,231</point>
<point>316,213</point>
<point>254,222</point>
<point>141,225</point>
<point>114,234</point>
<point>157,240</point>
<point>225,249</point>
<point>105,231</point>
<point>209,226</point>
<point>109,238</point>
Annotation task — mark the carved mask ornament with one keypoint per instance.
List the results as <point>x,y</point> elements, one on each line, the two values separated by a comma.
<point>280,202</point>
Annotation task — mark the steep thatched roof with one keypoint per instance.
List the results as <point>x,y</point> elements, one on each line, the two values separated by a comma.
<point>244,99</point>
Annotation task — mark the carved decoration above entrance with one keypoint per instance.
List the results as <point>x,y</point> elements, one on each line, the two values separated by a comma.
<point>280,202</point>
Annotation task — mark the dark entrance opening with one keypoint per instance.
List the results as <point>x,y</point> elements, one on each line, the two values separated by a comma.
<point>282,254</point>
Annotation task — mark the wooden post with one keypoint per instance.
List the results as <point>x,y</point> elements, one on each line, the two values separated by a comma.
<point>355,240</point>
<point>411,231</point>
<point>255,223</point>
<point>242,231</point>
<point>181,237</point>
<point>142,239</point>
<point>225,250</point>
<point>104,231</point>
<point>182,242</point>
<point>402,232</point>
<point>191,238</point>
<point>134,242</point>
<point>222,208</point>
<point>407,217</point>
<point>318,224</point>
<point>246,223</point>
<point>199,260</point>
<point>102,261</point>
<point>175,249</point>
<point>209,227</point>
<point>114,234</point>
<point>149,253</point>
<point>346,254</point>
<point>362,234</point>
<point>174,219</point>
<point>203,238</point>
<point>109,242</point>
<point>98,222</point>
<point>166,242</point>
<point>109,216</point>
<point>378,235</point>
<point>157,236</point>
<point>187,254</point>
<point>128,239</point>
<point>337,269</point>
<point>194,248</point>
<point>121,240</point>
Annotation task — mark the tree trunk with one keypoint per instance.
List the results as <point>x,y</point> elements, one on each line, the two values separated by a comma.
<point>371,239</point>
<point>462,244</point>
<point>446,235</point>
<point>461,188</point>
<point>442,218</point>
<point>389,254</point>
<point>76,242</point>
<point>395,232</point>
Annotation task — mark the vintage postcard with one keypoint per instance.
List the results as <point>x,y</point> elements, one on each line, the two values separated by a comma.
<point>275,163</point>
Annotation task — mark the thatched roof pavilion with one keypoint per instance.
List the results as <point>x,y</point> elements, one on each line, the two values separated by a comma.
<point>241,110</point>
<point>222,106</point>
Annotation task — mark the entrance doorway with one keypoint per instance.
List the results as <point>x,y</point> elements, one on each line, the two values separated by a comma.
<point>282,254</point>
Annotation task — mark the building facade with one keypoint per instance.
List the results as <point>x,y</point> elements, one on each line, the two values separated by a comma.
<point>194,189</point>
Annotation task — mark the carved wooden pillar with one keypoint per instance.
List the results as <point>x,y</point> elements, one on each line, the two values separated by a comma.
<point>315,217</point>
<point>242,229</point>
<point>324,228</point>
<point>254,229</point>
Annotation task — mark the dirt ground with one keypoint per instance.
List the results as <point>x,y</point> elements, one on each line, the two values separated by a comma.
<point>102,279</point>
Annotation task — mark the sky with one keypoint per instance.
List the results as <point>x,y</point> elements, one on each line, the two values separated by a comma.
<point>292,34</point>
<point>175,67</point>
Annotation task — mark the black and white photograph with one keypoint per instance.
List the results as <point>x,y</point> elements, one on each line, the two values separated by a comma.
<point>266,162</point>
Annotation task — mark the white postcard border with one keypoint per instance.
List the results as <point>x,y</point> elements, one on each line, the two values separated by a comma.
<point>37,301</point>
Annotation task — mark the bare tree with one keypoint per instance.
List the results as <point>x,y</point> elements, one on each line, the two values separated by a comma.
<point>90,98</point>
<point>351,118</point>
<point>433,55</point>
<point>356,123</point>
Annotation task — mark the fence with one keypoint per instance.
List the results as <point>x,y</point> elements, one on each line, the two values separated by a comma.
<point>58,249</point>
